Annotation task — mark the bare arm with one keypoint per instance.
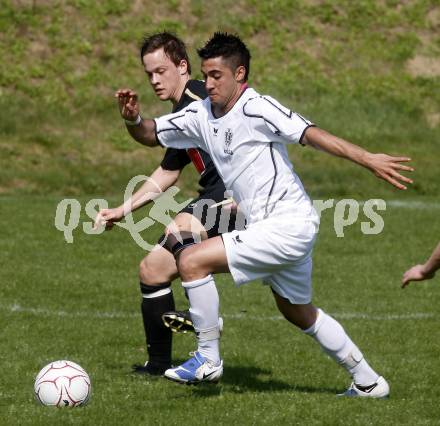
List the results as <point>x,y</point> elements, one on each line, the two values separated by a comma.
<point>425,271</point>
<point>141,130</point>
<point>159,181</point>
<point>149,191</point>
<point>382,165</point>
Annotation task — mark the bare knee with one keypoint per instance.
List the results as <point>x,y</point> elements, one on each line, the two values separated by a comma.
<point>158,268</point>
<point>189,266</point>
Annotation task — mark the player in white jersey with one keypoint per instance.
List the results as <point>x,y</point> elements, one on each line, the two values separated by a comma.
<point>245,134</point>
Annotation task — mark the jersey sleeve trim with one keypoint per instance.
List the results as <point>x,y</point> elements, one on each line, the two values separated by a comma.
<point>155,134</point>
<point>247,114</point>
<point>304,132</point>
<point>173,125</point>
<point>254,106</point>
<point>279,109</point>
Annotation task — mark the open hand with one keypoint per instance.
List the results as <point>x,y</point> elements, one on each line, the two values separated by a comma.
<point>128,104</point>
<point>388,168</point>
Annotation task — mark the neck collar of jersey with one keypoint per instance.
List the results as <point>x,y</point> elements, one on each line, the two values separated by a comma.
<point>243,89</point>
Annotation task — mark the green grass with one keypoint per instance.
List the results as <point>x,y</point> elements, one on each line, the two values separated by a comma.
<point>80,301</point>
<point>343,64</point>
<point>347,66</point>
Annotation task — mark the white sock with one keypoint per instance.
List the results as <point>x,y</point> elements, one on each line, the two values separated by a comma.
<point>336,343</point>
<point>204,307</point>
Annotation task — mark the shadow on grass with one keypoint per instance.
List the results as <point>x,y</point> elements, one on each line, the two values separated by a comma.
<point>239,379</point>
<point>242,379</point>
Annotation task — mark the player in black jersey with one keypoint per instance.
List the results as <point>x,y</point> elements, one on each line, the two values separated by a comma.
<point>167,66</point>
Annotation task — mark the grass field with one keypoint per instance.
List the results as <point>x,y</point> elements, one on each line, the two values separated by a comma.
<point>365,70</point>
<point>80,301</point>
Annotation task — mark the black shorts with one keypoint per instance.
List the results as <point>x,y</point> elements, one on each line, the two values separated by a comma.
<point>216,220</point>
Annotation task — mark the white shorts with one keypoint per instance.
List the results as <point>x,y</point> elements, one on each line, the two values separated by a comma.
<point>278,251</point>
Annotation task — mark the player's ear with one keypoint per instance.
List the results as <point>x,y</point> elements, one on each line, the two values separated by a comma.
<point>183,67</point>
<point>240,74</point>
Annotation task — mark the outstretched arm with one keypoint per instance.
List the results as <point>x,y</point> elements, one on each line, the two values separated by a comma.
<point>141,130</point>
<point>160,180</point>
<point>382,165</point>
<point>425,271</point>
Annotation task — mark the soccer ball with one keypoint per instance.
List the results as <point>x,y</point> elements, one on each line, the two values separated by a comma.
<point>62,384</point>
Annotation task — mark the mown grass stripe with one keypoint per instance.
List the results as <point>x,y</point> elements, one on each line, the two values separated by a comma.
<point>239,316</point>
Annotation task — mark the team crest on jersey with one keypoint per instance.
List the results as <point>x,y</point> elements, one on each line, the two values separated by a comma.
<point>228,141</point>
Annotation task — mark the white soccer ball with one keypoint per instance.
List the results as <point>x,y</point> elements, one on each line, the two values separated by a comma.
<point>62,384</point>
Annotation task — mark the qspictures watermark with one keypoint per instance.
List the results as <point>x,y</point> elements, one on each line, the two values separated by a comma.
<point>347,212</point>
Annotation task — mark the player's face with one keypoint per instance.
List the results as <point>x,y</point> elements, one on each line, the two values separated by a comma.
<point>221,81</point>
<point>164,76</point>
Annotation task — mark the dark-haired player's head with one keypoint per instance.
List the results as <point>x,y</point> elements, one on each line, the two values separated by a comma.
<point>225,67</point>
<point>166,64</point>
<point>230,48</point>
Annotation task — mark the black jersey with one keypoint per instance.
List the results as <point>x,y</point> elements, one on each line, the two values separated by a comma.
<point>177,159</point>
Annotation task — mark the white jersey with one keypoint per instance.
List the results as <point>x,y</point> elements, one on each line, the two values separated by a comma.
<point>247,146</point>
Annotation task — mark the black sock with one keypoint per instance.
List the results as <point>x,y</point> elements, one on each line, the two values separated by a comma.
<point>158,336</point>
